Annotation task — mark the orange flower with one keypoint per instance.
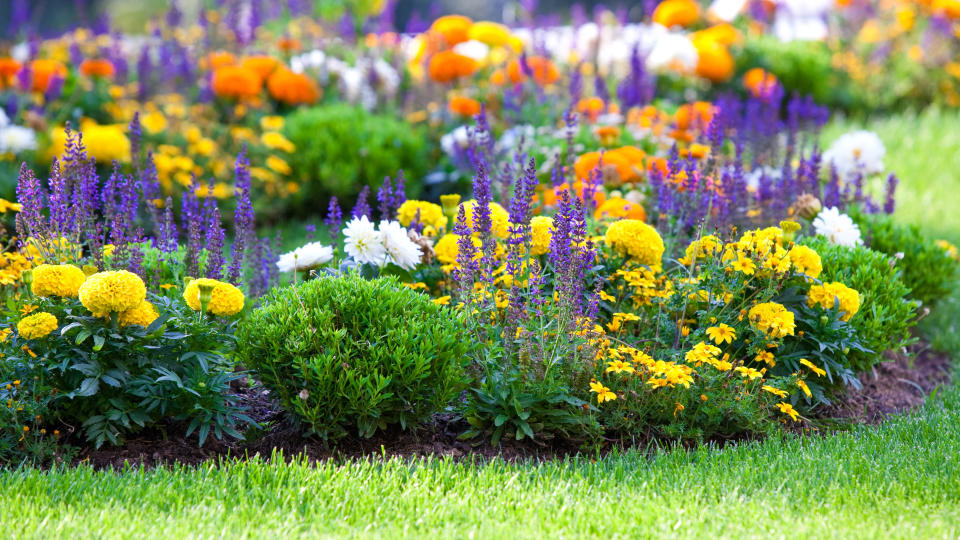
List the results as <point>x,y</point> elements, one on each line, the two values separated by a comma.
<point>288,44</point>
<point>464,106</point>
<point>446,66</point>
<point>759,81</point>
<point>261,65</point>
<point>97,68</point>
<point>592,107</point>
<point>451,29</point>
<point>43,71</point>
<point>676,13</point>
<point>618,207</point>
<point>552,195</point>
<point>8,69</point>
<point>498,77</point>
<point>292,88</point>
<point>695,115</point>
<point>612,160</point>
<point>607,134</point>
<point>724,34</point>
<point>714,61</point>
<point>219,59</point>
<point>236,82</point>
<point>544,71</point>
<point>657,164</point>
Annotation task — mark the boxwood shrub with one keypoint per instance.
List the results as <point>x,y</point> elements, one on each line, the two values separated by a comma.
<point>346,355</point>
<point>886,311</point>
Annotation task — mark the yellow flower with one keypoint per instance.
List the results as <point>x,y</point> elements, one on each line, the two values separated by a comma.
<point>499,218</point>
<point>748,373</point>
<point>6,206</point>
<point>700,249</point>
<point>773,319</point>
<point>744,265</point>
<point>541,232</point>
<point>115,291</point>
<point>806,261</point>
<point>806,389</point>
<point>142,315</point>
<point>431,214</point>
<point>766,357</point>
<point>155,122</point>
<point>813,367</point>
<point>276,141</point>
<point>603,393</point>
<point>225,299</point>
<point>637,240</point>
<point>278,165</point>
<point>836,294</point>
<point>788,410</point>
<point>37,326</point>
<point>775,391</point>
<point>619,366</point>
<point>491,33</point>
<point>721,333</point>
<point>442,301</point>
<point>271,123</point>
<point>62,280</point>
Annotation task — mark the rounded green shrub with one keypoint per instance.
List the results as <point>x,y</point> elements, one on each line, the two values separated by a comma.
<point>341,148</point>
<point>928,271</point>
<point>347,355</point>
<point>886,311</point>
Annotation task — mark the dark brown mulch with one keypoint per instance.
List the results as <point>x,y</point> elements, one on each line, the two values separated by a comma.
<point>899,384</point>
<point>894,386</point>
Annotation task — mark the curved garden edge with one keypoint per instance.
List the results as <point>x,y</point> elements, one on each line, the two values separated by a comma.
<point>901,383</point>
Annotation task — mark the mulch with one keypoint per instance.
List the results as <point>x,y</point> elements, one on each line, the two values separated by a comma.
<point>900,383</point>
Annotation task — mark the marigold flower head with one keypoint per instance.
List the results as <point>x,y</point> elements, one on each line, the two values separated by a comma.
<point>446,66</point>
<point>499,218</point>
<point>722,333</point>
<point>262,65</point>
<point>773,319</point>
<point>292,88</point>
<point>541,232</point>
<point>464,106</point>
<point>806,261</point>
<point>451,29</point>
<point>430,214</point>
<point>603,393</point>
<point>491,33</point>
<point>788,410</point>
<point>637,240</point>
<point>62,280</point>
<point>225,299</point>
<point>43,71</point>
<point>8,70</point>
<point>219,59</point>
<point>142,315</point>
<point>113,291</point>
<point>834,294</point>
<point>759,82</point>
<point>544,71</point>
<point>676,13</point>
<point>37,326</point>
<point>236,82</point>
<point>714,61</point>
<point>618,207</point>
<point>97,67</point>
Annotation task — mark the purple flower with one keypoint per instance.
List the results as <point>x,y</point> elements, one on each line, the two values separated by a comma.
<point>362,208</point>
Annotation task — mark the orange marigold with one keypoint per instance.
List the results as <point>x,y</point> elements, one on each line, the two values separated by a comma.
<point>292,88</point>
<point>446,66</point>
<point>452,29</point>
<point>676,13</point>
<point>288,44</point>
<point>43,71</point>
<point>544,71</point>
<point>759,82</point>
<point>8,69</point>
<point>592,107</point>
<point>694,115</point>
<point>219,59</point>
<point>262,65</point>
<point>618,207</point>
<point>464,106</point>
<point>236,82</point>
<point>97,67</point>
<point>714,61</point>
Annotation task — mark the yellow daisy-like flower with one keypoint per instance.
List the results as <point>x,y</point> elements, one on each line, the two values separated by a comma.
<point>806,389</point>
<point>278,165</point>
<point>115,291</point>
<point>225,299</point>
<point>788,410</point>
<point>722,333</point>
<point>603,393</point>
<point>37,326</point>
<point>62,280</point>
<point>819,372</point>
<point>748,373</point>
<point>775,391</point>
<point>766,357</point>
<point>636,239</point>
<point>619,366</point>
<point>541,232</point>
<point>142,315</point>
<point>744,265</point>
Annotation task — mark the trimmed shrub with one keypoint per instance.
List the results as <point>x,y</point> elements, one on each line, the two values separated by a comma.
<point>886,311</point>
<point>344,354</point>
<point>928,271</point>
<point>341,148</point>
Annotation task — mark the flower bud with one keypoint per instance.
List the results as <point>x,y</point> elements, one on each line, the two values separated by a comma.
<point>205,295</point>
<point>27,277</point>
<point>450,203</point>
<point>89,270</point>
<point>807,206</point>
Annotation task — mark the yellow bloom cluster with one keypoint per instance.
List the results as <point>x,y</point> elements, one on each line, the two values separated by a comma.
<point>225,300</point>
<point>12,265</point>
<point>446,249</point>
<point>806,261</point>
<point>431,215</point>
<point>704,353</point>
<point>773,319</point>
<point>62,280</point>
<point>701,249</point>
<point>37,326</point>
<point>114,291</point>
<point>645,285</point>
<point>829,295</point>
<point>637,240</point>
<point>541,231</point>
<point>499,218</point>
<point>142,315</point>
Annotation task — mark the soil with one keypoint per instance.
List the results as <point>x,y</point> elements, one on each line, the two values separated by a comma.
<point>894,386</point>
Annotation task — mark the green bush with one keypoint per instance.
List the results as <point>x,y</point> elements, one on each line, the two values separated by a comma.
<point>802,67</point>
<point>341,148</point>
<point>886,311</point>
<point>344,354</point>
<point>927,270</point>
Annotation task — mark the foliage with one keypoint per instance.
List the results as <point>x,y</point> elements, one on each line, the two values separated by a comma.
<point>342,148</point>
<point>24,411</point>
<point>886,311</point>
<point>346,355</point>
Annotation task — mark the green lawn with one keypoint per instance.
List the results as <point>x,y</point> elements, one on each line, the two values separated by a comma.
<point>896,480</point>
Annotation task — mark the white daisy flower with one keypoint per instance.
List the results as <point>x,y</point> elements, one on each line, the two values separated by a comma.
<point>363,242</point>
<point>857,152</point>
<point>305,257</point>
<point>837,227</point>
<point>400,249</point>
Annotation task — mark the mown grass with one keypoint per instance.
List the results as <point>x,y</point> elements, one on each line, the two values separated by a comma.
<point>895,480</point>
<point>899,480</point>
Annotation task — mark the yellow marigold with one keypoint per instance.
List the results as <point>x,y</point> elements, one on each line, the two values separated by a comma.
<point>491,33</point>
<point>618,207</point>
<point>225,300</point>
<point>541,232</point>
<point>37,326</point>
<point>636,239</point>
<point>701,249</point>
<point>278,165</point>
<point>57,280</point>
<point>446,249</point>
<point>832,294</point>
<point>806,261</point>
<point>773,319</point>
<point>115,291</point>
<point>142,315</point>
<point>276,141</point>
<point>499,218</point>
<point>431,214</point>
